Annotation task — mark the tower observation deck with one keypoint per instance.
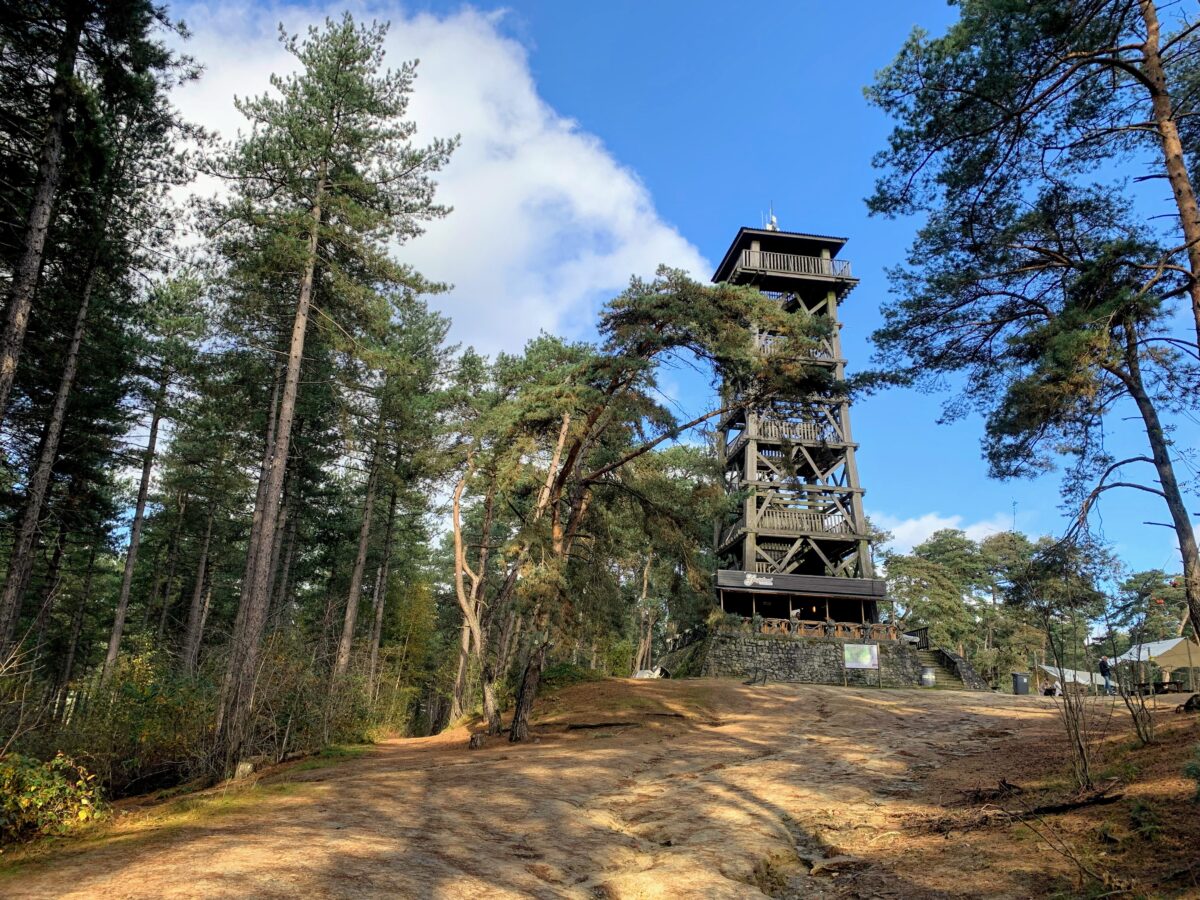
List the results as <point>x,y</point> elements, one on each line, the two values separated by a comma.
<point>798,545</point>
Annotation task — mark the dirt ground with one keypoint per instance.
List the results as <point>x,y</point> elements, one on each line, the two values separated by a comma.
<point>641,789</point>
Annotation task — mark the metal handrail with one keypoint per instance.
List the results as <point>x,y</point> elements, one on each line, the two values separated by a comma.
<point>922,636</point>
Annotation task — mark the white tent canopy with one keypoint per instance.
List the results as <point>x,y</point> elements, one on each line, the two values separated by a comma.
<point>1173,653</point>
<point>1072,676</point>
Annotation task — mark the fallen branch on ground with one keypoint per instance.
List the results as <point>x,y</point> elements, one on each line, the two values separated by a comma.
<point>990,814</point>
<point>1095,798</point>
<point>988,795</point>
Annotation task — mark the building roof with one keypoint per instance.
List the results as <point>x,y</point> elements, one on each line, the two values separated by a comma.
<point>797,242</point>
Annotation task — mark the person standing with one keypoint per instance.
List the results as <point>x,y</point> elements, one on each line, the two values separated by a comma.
<point>1106,672</point>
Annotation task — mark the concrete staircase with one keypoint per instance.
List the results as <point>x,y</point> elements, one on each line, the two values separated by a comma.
<point>946,679</point>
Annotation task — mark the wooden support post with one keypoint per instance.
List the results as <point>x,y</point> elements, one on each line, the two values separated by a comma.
<point>1191,670</point>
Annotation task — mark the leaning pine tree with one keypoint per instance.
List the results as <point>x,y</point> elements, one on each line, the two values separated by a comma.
<point>329,166</point>
<point>1067,295</point>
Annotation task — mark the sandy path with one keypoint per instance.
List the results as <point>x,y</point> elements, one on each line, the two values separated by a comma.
<point>704,789</point>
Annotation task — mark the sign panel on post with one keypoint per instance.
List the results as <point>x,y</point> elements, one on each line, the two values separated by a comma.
<point>861,656</point>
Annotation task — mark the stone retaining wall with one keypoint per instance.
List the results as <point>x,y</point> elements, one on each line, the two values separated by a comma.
<point>809,660</point>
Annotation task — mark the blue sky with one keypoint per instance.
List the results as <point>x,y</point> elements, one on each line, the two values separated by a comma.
<point>600,139</point>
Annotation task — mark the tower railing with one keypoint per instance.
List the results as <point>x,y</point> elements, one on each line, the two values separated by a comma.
<point>785,429</point>
<point>819,513</point>
<point>794,264</point>
<point>772,343</point>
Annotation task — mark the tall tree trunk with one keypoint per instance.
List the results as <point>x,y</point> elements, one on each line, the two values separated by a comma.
<point>462,570</point>
<point>495,665</point>
<point>458,698</point>
<point>471,631</point>
<point>194,633</point>
<point>391,717</point>
<point>172,564</point>
<point>254,538</point>
<point>49,174</point>
<point>281,530</point>
<point>21,555</point>
<point>46,607</point>
<point>282,589</point>
<point>155,584</point>
<point>135,535</point>
<point>510,638</point>
<point>281,599</point>
<point>264,472</point>
<point>1168,484</point>
<point>68,665</point>
<point>205,608</point>
<point>642,656</point>
<point>1164,115</point>
<point>172,596</point>
<point>346,645</point>
<point>382,577</point>
<point>476,618</point>
<point>527,693</point>
<point>502,600</point>
<point>237,702</point>
<point>564,530</point>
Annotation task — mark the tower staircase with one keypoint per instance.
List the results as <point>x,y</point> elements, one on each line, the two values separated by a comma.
<point>945,678</point>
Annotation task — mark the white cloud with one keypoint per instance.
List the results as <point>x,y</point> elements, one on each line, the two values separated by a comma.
<point>546,223</point>
<point>908,533</point>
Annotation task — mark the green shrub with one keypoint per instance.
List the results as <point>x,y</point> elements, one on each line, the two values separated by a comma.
<point>47,797</point>
<point>147,728</point>
<point>1192,769</point>
<point>718,620</point>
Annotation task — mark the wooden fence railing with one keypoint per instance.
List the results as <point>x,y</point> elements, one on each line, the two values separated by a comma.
<point>794,520</point>
<point>770,343</point>
<point>770,517</point>
<point>794,264</point>
<point>795,431</point>
<point>803,628</point>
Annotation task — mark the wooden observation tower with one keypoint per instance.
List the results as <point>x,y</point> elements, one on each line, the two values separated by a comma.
<point>798,546</point>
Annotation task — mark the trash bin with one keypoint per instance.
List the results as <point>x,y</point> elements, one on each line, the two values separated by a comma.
<point>1020,682</point>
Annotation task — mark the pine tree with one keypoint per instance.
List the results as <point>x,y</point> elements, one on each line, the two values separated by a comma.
<point>1036,274</point>
<point>123,162</point>
<point>330,163</point>
<point>174,325</point>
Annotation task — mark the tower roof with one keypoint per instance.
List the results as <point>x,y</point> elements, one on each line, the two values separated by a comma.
<point>796,242</point>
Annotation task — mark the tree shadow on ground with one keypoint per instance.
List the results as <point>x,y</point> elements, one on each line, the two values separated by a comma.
<point>704,789</point>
